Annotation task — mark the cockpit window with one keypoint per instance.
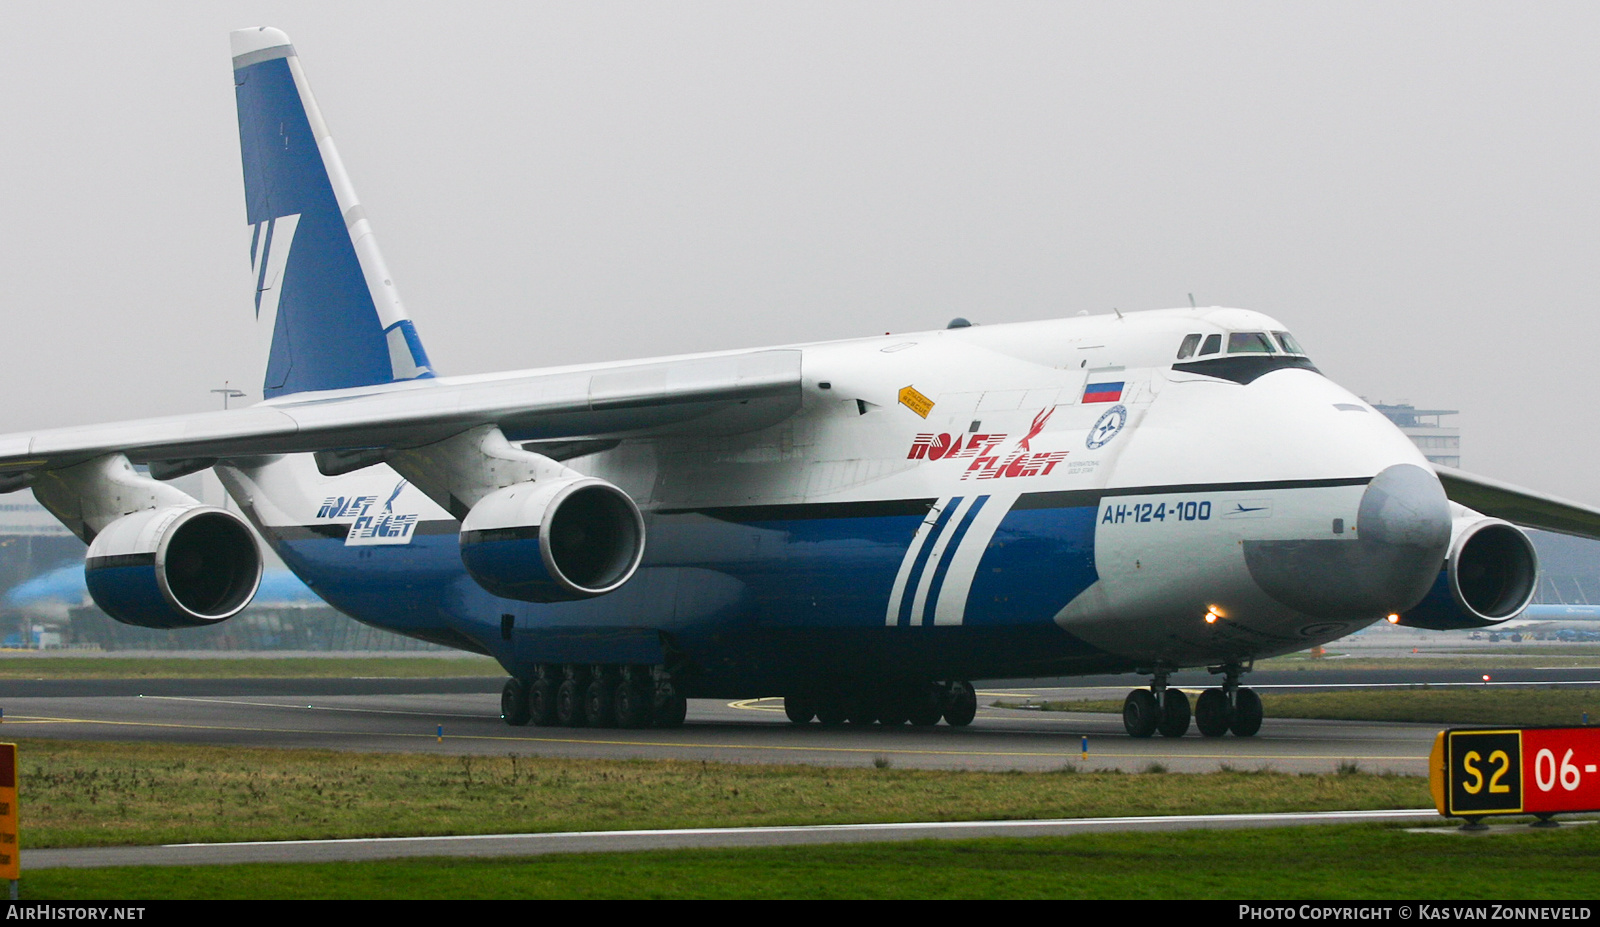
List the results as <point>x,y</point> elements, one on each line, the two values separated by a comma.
<point>1249,343</point>
<point>1190,342</point>
<point>1213,345</point>
<point>1290,346</point>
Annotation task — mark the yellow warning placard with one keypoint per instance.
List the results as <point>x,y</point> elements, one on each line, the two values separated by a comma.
<point>10,864</point>
<point>915,401</point>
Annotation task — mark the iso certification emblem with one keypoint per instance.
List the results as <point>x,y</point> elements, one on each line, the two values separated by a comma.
<point>1107,427</point>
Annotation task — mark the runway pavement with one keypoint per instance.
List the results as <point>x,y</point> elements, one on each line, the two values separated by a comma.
<point>458,715</point>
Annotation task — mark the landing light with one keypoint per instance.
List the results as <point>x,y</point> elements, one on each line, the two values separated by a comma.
<point>1213,613</point>
<point>1393,619</point>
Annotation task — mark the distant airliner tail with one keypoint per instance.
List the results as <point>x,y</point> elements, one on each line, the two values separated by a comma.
<point>322,291</point>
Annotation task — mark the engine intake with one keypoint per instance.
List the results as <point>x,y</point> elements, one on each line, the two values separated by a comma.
<point>1489,577</point>
<point>174,567</point>
<point>553,540</point>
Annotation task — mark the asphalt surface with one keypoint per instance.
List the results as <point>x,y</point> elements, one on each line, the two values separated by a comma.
<point>461,715</point>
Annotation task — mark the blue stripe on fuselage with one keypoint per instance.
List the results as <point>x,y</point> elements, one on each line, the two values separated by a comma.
<point>949,554</point>
<point>914,578</point>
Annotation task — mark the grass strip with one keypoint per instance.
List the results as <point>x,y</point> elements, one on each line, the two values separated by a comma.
<point>102,794</point>
<point>1325,862</point>
<point>1563,706</point>
<point>1574,657</point>
<point>244,667</point>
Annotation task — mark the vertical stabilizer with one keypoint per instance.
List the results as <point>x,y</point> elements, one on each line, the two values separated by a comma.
<point>322,289</point>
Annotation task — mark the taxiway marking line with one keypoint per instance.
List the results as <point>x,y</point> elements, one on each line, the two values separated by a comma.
<point>298,707</point>
<point>1068,750</point>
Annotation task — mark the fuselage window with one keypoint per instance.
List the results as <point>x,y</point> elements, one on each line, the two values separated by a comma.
<point>1190,342</point>
<point>1249,343</point>
<point>1213,345</point>
<point>1290,346</point>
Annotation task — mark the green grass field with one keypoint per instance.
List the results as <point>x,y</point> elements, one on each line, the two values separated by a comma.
<point>97,794</point>
<point>1558,655</point>
<point>1326,862</point>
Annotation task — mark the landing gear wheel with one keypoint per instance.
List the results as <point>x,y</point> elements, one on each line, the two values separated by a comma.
<point>1247,713</point>
<point>800,708</point>
<point>569,703</point>
<point>514,703</point>
<point>1212,713</point>
<point>925,706</point>
<point>861,709</point>
<point>1174,714</point>
<point>962,705</point>
<point>1141,714</point>
<point>599,701</point>
<point>633,704</point>
<point>542,702</point>
<point>670,709</point>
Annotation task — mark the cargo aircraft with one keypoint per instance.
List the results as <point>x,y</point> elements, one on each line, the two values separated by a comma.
<point>860,526</point>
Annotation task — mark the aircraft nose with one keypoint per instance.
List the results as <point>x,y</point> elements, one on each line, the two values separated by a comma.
<point>1402,533</point>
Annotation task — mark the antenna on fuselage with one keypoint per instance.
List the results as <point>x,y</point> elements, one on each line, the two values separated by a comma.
<point>1191,301</point>
<point>1117,311</point>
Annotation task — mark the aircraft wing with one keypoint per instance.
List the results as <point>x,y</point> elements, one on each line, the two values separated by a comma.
<point>708,394</point>
<point>1520,506</point>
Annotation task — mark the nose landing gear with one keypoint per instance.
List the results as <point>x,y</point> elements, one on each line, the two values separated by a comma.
<point>1165,709</point>
<point>1158,708</point>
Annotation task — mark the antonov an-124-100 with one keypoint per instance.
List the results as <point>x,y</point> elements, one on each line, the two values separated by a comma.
<point>862,527</point>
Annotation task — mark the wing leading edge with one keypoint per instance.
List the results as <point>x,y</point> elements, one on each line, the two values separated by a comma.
<point>1520,506</point>
<point>715,394</point>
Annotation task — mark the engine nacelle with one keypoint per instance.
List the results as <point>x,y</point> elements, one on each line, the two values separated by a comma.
<point>1489,577</point>
<point>553,540</point>
<point>180,566</point>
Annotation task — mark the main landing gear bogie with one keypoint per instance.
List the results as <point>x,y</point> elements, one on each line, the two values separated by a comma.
<point>1145,712</point>
<point>919,704</point>
<point>581,695</point>
<point>1215,717</point>
<point>1216,712</point>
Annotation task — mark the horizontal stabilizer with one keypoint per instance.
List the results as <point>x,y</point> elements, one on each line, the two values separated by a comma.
<point>1520,506</point>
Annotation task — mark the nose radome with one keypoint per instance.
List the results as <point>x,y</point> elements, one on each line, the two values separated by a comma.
<point>1405,507</point>
<point>1402,533</point>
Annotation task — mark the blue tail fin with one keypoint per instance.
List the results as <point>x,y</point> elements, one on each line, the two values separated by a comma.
<point>322,289</point>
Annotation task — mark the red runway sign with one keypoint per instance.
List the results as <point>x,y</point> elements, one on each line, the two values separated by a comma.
<point>1543,771</point>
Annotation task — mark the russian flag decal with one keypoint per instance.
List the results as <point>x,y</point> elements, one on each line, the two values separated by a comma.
<point>1102,392</point>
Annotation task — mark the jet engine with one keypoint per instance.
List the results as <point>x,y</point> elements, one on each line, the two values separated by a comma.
<point>1489,577</point>
<point>553,540</point>
<point>179,566</point>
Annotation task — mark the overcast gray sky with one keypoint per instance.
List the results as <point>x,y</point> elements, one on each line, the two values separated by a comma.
<point>1411,188</point>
